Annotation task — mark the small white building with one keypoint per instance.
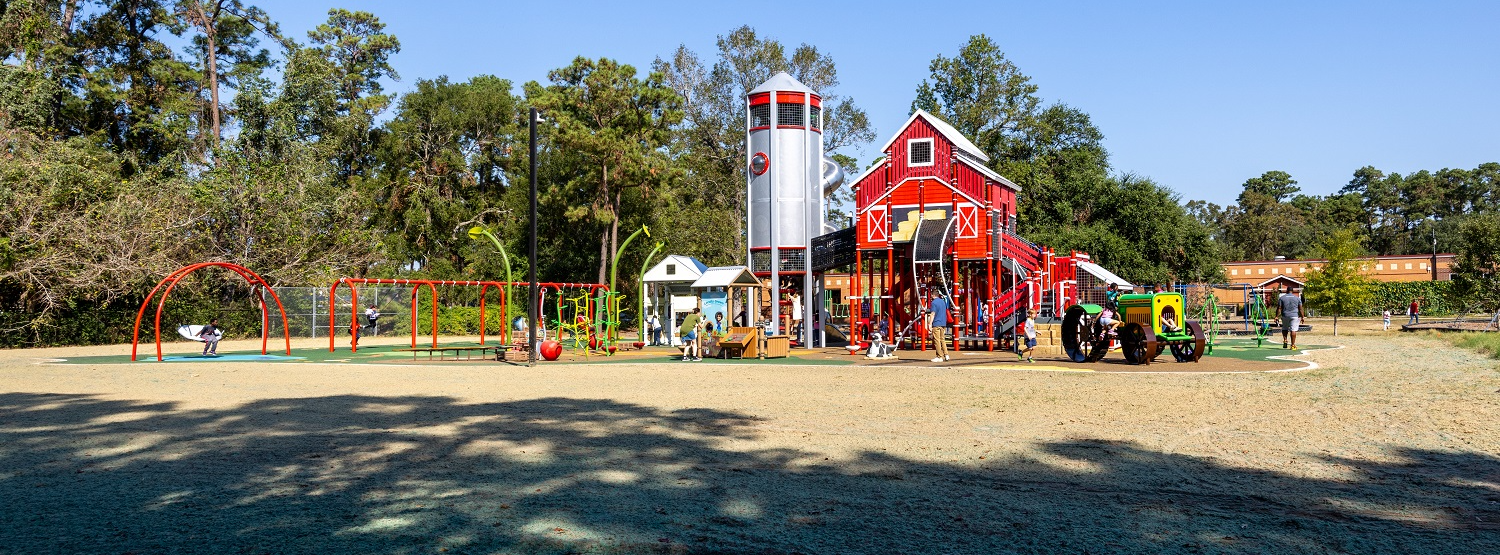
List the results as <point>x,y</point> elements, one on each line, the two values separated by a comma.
<point>669,291</point>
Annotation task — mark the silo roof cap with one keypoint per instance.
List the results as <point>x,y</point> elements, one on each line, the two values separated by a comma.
<point>782,82</point>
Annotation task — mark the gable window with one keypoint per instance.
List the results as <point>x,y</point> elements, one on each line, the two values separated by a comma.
<point>919,152</point>
<point>671,269</point>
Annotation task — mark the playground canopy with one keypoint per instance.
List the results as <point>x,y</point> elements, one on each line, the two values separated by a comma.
<point>1102,274</point>
<point>727,276</point>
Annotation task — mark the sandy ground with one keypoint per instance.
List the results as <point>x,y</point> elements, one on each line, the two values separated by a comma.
<point>1390,447</point>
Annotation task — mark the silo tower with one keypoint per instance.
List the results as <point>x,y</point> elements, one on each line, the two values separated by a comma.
<point>784,122</point>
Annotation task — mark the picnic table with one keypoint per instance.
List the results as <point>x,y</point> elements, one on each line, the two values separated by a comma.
<point>461,353</point>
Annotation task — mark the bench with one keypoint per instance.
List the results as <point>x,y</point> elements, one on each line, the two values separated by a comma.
<point>460,353</point>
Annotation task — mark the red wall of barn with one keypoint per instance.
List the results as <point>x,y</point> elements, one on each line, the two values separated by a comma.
<point>941,153</point>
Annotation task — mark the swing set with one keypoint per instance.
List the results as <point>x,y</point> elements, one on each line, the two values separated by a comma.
<point>432,285</point>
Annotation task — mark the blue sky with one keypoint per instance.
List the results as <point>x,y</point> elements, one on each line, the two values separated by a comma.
<point>1199,96</point>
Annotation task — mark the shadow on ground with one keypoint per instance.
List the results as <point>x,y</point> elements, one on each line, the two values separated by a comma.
<point>399,475</point>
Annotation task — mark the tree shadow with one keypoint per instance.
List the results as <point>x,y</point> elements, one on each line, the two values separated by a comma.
<point>405,475</point>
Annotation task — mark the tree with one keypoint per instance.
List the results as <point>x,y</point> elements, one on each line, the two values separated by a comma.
<point>709,143</point>
<point>982,94</point>
<point>358,54</point>
<point>1476,271</point>
<point>1262,226</point>
<point>451,144</point>
<point>613,128</point>
<point>1340,287</point>
<point>227,27</point>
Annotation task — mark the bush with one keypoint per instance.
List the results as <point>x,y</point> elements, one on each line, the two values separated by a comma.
<point>1398,295</point>
<point>1485,343</point>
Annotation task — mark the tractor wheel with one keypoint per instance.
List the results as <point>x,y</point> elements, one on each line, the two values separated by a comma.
<point>1138,344</point>
<point>1078,335</point>
<point>1197,344</point>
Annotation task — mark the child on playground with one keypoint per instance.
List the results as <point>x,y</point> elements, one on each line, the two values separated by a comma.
<point>1169,323</point>
<point>1025,353</point>
<point>1107,319</point>
<point>210,335</point>
<point>1385,319</point>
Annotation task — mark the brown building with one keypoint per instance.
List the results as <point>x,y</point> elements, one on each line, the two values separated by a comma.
<point>1407,267</point>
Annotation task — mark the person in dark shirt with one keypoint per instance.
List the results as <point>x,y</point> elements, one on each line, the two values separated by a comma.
<point>937,321</point>
<point>210,335</point>
<point>1290,308</point>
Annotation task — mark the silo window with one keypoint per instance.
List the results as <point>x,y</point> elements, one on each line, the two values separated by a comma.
<point>813,114</point>
<point>790,114</point>
<point>919,152</point>
<point>760,116</point>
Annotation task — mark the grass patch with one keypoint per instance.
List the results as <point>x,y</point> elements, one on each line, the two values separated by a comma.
<point>1486,343</point>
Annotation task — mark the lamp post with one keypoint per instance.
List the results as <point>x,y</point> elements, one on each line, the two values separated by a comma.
<point>475,233</point>
<point>1435,220</point>
<point>644,267</point>
<point>531,301</point>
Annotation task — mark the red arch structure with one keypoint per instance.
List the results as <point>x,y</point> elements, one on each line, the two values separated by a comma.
<point>432,285</point>
<point>171,281</point>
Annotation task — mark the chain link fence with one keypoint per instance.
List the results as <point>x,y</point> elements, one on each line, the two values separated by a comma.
<point>307,309</point>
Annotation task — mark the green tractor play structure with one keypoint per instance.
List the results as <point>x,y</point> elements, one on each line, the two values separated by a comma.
<point>1148,325</point>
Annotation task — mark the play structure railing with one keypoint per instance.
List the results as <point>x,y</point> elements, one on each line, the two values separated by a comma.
<point>171,282</point>
<point>432,285</point>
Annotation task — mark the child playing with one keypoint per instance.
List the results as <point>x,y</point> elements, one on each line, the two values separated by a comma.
<point>1168,323</point>
<point>1025,353</point>
<point>1385,319</point>
<point>210,335</point>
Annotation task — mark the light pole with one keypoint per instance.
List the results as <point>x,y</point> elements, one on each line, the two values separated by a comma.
<point>531,301</point>
<point>1435,220</point>
<point>475,233</point>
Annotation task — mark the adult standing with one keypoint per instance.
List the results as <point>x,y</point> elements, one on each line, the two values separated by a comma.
<point>1412,313</point>
<point>689,333</point>
<point>653,327</point>
<point>937,322</point>
<point>1291,310</point>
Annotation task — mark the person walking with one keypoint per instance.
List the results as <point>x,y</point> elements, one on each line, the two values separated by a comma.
<point>653,328</point>
<point>1025,352</point>
<point>211,334</point>
<point>373,315</point>
<point>937,322</point>
<point>1385,317</point>
<point>1413,312</point>
<point>689,333</point>
<point>1289,307</point>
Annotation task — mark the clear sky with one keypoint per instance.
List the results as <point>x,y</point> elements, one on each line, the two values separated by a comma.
<point>1199,96</point>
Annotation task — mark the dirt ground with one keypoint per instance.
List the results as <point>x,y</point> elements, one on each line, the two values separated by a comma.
<point>1390,446</point>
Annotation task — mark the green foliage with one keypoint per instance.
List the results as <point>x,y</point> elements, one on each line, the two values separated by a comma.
<point>1339,287</point>
<point>1476,271</point>
<point>1396,296</point>
<point>704,216</point>
<point>1069,200</point>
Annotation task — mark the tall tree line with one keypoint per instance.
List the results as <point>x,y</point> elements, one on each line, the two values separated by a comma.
<point>1388,213</point>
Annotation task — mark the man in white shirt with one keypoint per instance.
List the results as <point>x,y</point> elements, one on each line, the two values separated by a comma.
<point>373,315</point>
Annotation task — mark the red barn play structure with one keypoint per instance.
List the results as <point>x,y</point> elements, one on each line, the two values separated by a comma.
<point>931,216</point>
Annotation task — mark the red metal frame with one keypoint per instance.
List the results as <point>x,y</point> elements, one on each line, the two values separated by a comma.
<point>171,282</point>
<point>432,287</point>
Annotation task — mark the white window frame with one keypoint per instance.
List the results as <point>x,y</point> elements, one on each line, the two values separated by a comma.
<point>931,149</point>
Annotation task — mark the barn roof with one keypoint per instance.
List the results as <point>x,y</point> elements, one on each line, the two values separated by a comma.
<point>782,82</point>
<point>684,268</point>
<point>959,141</point>
<point>987,172</point>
